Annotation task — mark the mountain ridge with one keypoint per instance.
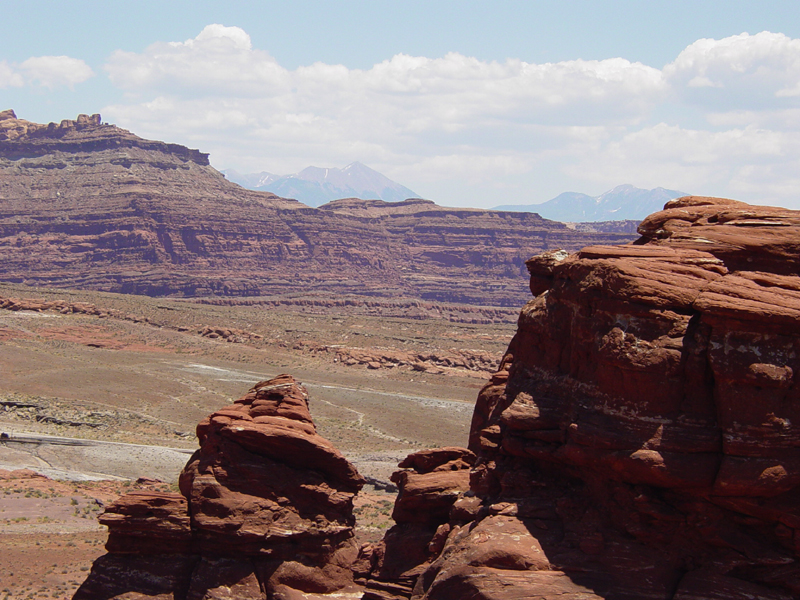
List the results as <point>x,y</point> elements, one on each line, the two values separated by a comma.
<point>621,203</point>
<point>316,186</point>
<point>92,206</point>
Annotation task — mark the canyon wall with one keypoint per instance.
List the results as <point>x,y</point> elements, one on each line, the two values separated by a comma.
<point>640,440</point>
<point>88,205</point>
<point>642,436</point>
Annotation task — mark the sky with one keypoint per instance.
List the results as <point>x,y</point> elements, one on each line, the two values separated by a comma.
<point>467,103</point>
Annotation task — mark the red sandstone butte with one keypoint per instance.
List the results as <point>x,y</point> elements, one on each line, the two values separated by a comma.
<point>641,439</point>
<point>265,510</point>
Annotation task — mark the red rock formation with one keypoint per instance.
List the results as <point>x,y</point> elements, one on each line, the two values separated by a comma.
<point>429,482</point>
<point>89,205</point>
<point>265,511</point>
<point>147,522</point>
<point>640,440</point>
<point>642,436</point>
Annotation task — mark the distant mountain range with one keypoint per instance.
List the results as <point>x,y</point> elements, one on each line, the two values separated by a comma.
<point>316,186</point>
<point>621,203</point>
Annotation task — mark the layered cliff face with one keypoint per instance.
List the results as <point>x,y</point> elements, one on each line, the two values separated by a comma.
<point>639,441</point>
<point>642,436</point>
<point>265,510</point>
<point>89,205</point>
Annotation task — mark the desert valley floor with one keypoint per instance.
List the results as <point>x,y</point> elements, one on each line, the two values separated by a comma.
<point>110,392</point>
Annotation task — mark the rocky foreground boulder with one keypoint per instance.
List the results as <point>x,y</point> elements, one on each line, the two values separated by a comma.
<point>642,436</point>
<point>265,510</point>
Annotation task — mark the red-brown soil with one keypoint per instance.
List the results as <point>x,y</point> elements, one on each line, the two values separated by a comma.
<point>49,532</point>
<point>140,370</point>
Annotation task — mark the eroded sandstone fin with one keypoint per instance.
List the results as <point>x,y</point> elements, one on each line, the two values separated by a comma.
<point>265,510</point>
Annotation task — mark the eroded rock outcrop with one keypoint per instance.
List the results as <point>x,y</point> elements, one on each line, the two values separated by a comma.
<point>640,441</point>
<point>429,482</point>
<point>265,511</point>
<point>642,436</point>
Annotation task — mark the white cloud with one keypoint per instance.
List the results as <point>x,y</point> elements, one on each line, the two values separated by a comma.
<point>734,107</point>
<point>55,71</point>
<point>9,77</point>
<point>219,61</point>
<point>750,163</point>
<point>450,91</point>
<point>45,71</point>
<point>739,72</point>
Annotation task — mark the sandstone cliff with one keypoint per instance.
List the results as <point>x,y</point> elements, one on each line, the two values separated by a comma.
<point>642,436</point>
<point>265,509</point>
<point>89,205</point>
<point>639,441</point>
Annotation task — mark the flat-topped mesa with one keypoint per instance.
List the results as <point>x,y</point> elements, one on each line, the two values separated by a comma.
<point>378,208</point>
<point>87,133</point>
<point>266,509</point>
<point>88,205</point>
<point>642,436</point>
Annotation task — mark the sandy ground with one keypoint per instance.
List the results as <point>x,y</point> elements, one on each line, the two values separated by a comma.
<point>49,532</point>
<point>95,403</point>
<point>58,457</point>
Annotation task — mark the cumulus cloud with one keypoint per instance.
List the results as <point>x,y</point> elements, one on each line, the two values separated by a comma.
<point>219,61</point>
<point>452,90</point>
<point>55,71</point>
<point>479,124</point>
<point>9,77</point>
<point>739,72</point>
<point>50,72</point>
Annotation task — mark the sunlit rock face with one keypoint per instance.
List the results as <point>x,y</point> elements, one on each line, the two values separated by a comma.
<point>641,438</point>
<point>265,511</point>
<point>639,441</point>
<point>88,205</point>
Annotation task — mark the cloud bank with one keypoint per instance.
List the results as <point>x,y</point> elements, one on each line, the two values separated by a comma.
<point>50,72</point>
<point>721,118</point>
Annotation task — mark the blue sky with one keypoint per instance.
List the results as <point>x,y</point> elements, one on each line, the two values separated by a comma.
<point>467,103</point>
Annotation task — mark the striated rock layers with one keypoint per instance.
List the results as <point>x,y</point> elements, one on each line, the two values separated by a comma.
<point>641,439</point>
<point>89,205</point>
<point>265,511</point>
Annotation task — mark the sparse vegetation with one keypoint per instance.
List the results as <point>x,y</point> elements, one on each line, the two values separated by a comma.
<point>149,377</point>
